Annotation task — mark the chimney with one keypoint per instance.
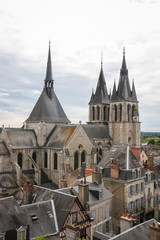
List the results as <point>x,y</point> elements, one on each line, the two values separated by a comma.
<point>83,190</point>
<point>63,183</point>
<point>27,193</point>
<point>96,176</point>
<point>126,222</point>
<point>154,231</point>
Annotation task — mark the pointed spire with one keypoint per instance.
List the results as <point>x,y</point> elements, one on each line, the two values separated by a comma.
<point>134,95</point>
<point>114,92</point>
<point>49,66</point>
<point>124,66</point>
<point>101,94</point>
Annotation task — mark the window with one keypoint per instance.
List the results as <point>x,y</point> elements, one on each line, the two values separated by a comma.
<point>107,211</point>
<point>142,186</point>
<point>21,235</point>
<point>136,188</point>
<point>93,113</point>
<point>83,233</point>
<point>34,157</point>
<point>115,111</point>
<point>100,212</point>
<point>142,202</point>
<point>45,160</point>
<point>74,217</point>
<point>120,109</point>
<point>55,161</point>
<point>104,113</point>
<point>107,227</point>
<point>131,190</point>
<point>108,110</point>
<point>128,111</point>
<point>20,159</point>
<point>83,157</point>
<point>75,160</point>
<point>133,109</point>
<point>98,113</point>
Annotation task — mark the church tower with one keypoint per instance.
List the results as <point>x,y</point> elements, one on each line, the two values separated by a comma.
<point>99,102</point>
<point>124,125</point>
<point>48,111</point>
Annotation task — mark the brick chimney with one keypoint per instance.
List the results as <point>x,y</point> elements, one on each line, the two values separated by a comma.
<point>154,231</point>
<point>63,183</point>
<point>126,222</point>
<point>27,193</point>
<point>83,189</point>
<point>97,176</point>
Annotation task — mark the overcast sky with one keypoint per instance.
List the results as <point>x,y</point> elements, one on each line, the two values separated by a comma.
<point>78,30</point>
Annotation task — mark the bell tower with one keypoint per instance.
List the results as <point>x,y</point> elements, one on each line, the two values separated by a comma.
<point>99,105</point>
<point>124,125</point>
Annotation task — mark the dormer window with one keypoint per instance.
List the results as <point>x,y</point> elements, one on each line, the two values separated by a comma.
<point>74,217</point>
<point>133,174</point>
<point>100,194</point>
<point>21,234</point>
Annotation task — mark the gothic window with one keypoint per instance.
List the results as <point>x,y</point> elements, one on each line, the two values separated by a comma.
<point>99,155</point>
<point>83,157</point>
<point>55,161</point>
<point>98,113</point>
<point>108,110</point>
<point>93,113</point>
<point>133,111</point>
<point>75,160</point>
<point>120,112</point>
<point>115,110</point>
<point>128,111</point>
<point>34,157</point>
<point>45,160</point>
<point>20,159</point>
<point>104,113</point>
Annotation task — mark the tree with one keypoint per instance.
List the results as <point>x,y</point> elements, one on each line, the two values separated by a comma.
<point>151,141</point>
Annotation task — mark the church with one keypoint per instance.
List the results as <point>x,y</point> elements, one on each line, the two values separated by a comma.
<point>49,145</point>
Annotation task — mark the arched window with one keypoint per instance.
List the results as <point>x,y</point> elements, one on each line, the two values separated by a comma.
<point>98,113</point>
<point>45,160</point>
<point>75,160</point>
<point>133,111</point>
<point>34,157</point>
<point>93,113</point>
<point>115,110</point>
<point>128,111</point>
<point>104,113</point>
<point>108,110</point>
<point>120,112</point>
<point>20,159</point>
<point>99,155</point>
<point>83,157</point>
<point>55,161</point>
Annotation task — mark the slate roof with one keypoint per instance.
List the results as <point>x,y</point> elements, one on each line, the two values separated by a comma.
<point>60,136</point>
<point>101,94</point>
<point>124,92</point>
<point>11,215</point>
<point>22,138</point>
<point>93,190</point>
<point>120,153</point>
<point>41,218</point>
<point>138,232</point>
<point>96,131</point>
<point>62,202</point>
<point>48,107</point>
<point>3,148</point>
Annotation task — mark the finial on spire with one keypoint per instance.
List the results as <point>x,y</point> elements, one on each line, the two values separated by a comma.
<point>101,59</point>
<point>123,51</point>
<point>49,43</point>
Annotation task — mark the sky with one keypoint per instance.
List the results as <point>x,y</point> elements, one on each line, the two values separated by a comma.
<point>79,30</point>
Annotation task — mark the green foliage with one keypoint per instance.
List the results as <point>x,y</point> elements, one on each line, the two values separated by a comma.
<point>40,237</point>
<point>151,141</point>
